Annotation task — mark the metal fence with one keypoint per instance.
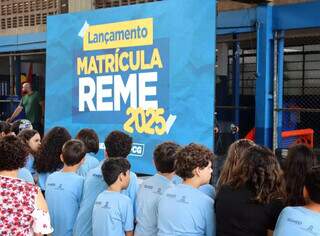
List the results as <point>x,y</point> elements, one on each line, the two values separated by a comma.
<point>235,91</point>
<point>301,92</point>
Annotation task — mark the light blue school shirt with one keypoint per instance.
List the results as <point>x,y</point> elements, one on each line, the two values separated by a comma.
<point>177,180</point>
<point>112,214</point>
<point>89,163</point>
<point>294,221</point>
<point>147,201</point>
<point>24,174</point>
<point>94,184</point>
<point>207,189</point>
<point>63,195</point>
<point>42,179</point>
<point>29,164</point>
<point>185,211</point>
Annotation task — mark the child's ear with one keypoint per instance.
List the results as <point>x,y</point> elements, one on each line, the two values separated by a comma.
<point>305,193</point>
<point>106,155</point>
<point>82,161</point>
<point>121,177</point>
<point>197,171</point>
<point>61,158</point>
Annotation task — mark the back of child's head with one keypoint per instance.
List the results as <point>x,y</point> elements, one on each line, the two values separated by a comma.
<point>164,157</point>
<point>235,150</point>
<point>5,128</point>
<point>312,184</point>
<point>73,151</point>
<point>259,170</point>
<point>299,161</point>
<point>90,139</point>
<point>13,153</point>
<point>113,167</point>
<point>190,157</point>
<point>118,144</point>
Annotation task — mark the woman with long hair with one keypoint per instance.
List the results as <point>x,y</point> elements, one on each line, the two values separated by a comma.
<point>32,140</point>
<point>235,150</point>
<point>299,161</point>
<point>252,200</point>
<point>47,160</point>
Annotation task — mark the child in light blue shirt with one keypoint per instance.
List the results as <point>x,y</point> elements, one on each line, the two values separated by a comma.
<point>207,189</point>
<point>91,141</point>
<point>184,210</point>
<point>64,189</point>
<point>113,211</point>
<point>151,189</point>
<point>304,220</point>
<point>25,175</point>
<point>117,144</point>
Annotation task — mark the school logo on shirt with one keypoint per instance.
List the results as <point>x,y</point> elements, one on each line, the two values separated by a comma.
<point>171,195</point>
<point>59,188</point>
<point>148,186</point>
<point>106,205</point>
<point>98,176</point>
<point>294,221</point>
<point>310,230</point>
<point>159,191</point>
<point>183,200</point>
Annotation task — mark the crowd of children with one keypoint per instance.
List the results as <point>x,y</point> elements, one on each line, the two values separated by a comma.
<point>57,186</point>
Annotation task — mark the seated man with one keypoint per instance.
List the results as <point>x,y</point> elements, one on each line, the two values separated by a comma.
<point>303,220</point>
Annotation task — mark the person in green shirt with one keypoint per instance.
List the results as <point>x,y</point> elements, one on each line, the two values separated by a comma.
<point>32,105</point>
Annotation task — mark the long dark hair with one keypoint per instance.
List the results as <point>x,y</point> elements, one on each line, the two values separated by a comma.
<point>25,135</point>
<point>299,161</point>
<point>235,150</point>
<point>260,171</point>
<point>48,157</point>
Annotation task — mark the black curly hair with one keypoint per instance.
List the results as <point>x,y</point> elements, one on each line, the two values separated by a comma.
<point>259,169</point>
<point>191,157</point>
<point>299,161</point>
<point>48,157</point>
<point>13,153</point>
<point>164,156</point>
<point>90,139</point>
<point>118,144</point>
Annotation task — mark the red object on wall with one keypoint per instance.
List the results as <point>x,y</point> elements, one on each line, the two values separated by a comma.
<point>291,137</point>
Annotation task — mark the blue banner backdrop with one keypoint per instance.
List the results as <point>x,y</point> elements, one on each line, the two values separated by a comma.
<point>145,69</point>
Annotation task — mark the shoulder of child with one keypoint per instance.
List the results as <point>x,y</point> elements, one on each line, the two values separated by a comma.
<point>205,198</point>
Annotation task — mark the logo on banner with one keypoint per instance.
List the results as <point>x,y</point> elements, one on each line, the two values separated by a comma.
<point>137,149</point>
